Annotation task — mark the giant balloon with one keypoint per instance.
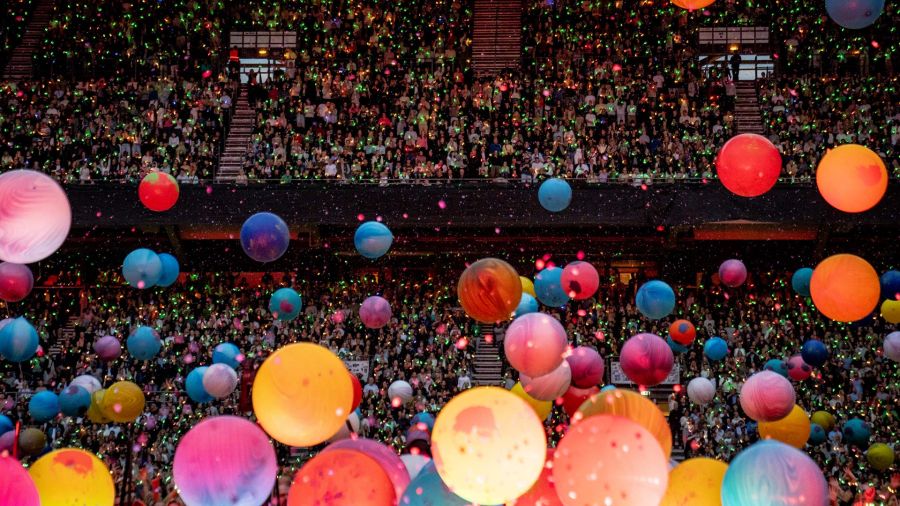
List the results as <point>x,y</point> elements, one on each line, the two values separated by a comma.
<point>87,382</point>
<point>890,311</point>
<point>548,285</point>
<point>776,365</point>
<point>701,391</point>
<point>856,432</point>
<point>285,304</point>
<point>386,458</point>
<point>194,386</point>
<point>800,281</point>
<point>6,424</point>
<point>32,441</point>
<point>580,280</point>
<point>375,312</point>
<point>555,195</point>
<point>732,273</point>
<point>695,482</point>
<point>845,288</point>
<point>170,270</point>
<point>108,348</point>
<point>219,380</point>
<point>715,348</point>
<point>890,285</point>
<point>682,332</point>
<point>793,429</point>
<point>854,14</point>
<point>655,299</point>
<point>767,396</point>
<point>16,486</point>
<point>72,477</point>
<point>35,216</point>
<point>892,346</point>
<point>123,402</point>
<point>527,304</point>
<point>549,386</point>
<point>817,434</point>
<point>74,401</point>
<point>342,478</point>
<point>880,456</point>
<point>489,290</point>
<point>16,281</point>
<point>774,474</point>
<point>541,408</point>
<point>633,406</point>
<point>543,492</point>
<point>852,178</point>
<point>814,353</point>
<point>824,419</point>
<point>372,239</point>
<point>427,489</point>
<point>535,344</point>
<point>527,286</point>
<point>143,343</point>
<point>142,268</point>
<point>18,340</point>
<point>693,5</point>
<point>587,367</point>
<point>95,411</point>
<point>646,359</point>
<point>401,391</point>
<point>265,237</point>
<point>228,354</point>
<point>798,370</point>
<point>748,165</point>
<point>43,406</point>
<point>575,397</point>
<point>158,191</point>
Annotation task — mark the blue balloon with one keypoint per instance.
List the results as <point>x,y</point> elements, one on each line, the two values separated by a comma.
<point>857,433</point>
<point>144,343</point>
<point>814,353</point>
<point>43,406</point>
<point>372,239</point>
<point>772,473</point>
<point>142,268</point>
<point>548,287</point>
<point>777,365</point>
<point>285,303</point>
<point>817,434</point>
<point>18,340</point>
<point>655,299</point>
<point>6,424</point>
<point>555,195</point>
<point>715,349</point>
<point>74,400</point>
<point>265,237</point>
<point>194,386</point>
<point>427,489</point>
<point>800,281</point>
<point>676,347</point>
<point>854,14</point>
<point>424,417</point>
<point>170,270</point>
<point>227,353</point>
<point>607,388</point>
<point>890,285</point>
<point>527,304</point>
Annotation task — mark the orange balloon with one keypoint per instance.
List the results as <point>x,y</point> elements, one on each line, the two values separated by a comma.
<point>341,478</point>
<point>693,4</point>
<point>793,429</point>
<point>489,290</point>
<point>845,288</point>
<point>852,178</point>
<point>636,408</point>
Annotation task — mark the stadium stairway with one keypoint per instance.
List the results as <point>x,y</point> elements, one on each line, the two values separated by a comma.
<point>496,35</point>
<point>19,65</point>
<point>747,118</point>
<point>488,364</point>
<point>241,128</point>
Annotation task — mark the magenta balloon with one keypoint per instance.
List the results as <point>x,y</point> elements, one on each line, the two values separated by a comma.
<point>16,485</point>
<point>548,387</point>
<point>7,439</point>
<point>535,344</point>
<point>389,461</point>
<point>767,396</point>
<point>798,370</point>
<point>108,348</point>
<point>580,280</point>
<point>587,367</point>
<point>35,216</point>
<point>225,460</point>
<point>646,359</point>
<point>375,312</point>
<point>16,281</point>
<point>732,273</point>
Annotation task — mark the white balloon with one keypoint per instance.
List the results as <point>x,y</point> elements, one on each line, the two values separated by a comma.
<point>701,391</point>
<point>400,390</point>
<point>550,386</point>
<point>87,382</point>
<point>219,380</point>
<point>414,463</point>
<point>892,346</point>
<point>351,426</point>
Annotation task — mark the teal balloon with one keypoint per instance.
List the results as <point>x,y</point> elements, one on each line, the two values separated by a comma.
<point>800,281</point>
<point>772,473</point>
<point>715,349</point>
<point>227,353</point>
<point>74,400</point>
<point>18,340</point>
<point>777,365</point>
<point>170,270</point>
<point>427,489</point>
<point>817,434</point>
<point>655,299</point>
<point>676,347</point>
<point>423,417</point>
<point>285,303</point>
<point>6,424</point>
<point>856,433</point>
<point>43,406</point>
<point>373,239</point>
<point>194,386</point>
<point>548,287</point>
<point>607,388</point>
<point>144,343</point>
<point>142,268</point>
<point>527,304</point>
<point>555,195</point>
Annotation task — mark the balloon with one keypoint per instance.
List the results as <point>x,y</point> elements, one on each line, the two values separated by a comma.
<point>817,435</point>
<point>633,406</point>
<point>890,285</point>
<point>87,382</point>
<point>194,385</point>
<point>851,178</point>
<point>549,386</point>
<point>32,441</point>
<point>798,370</point>
<point>302,394</point>
<point>489,290</point>
<point>372,239</point>
<point>95,412</point>
<point>646,359</point>
<point>587,367</point>
<point>535,344</point>
<point>695,482</point>
<point>357,392</point>
<point>814,353</point>
<point>123,402</point>
<point>170,270</point>
<point>108,348</point>
<point>142,268</point>
<point>285,304</point>
<point>389,462</point>
<point>890,311</point>
<point>548,285</point>
<point>777,365</point>
<point>158,191</point>
<point>845,288</point>
<point>733,273</point>
<point>748,165</point>
<point>375,312</point>
<point>219,380</point>
<point>891,346</point>
<point>425,418</point>
<point>605,457</point>
<point>775,474</point>
<point>415,463</point>
<point>72,477</point>
<point>349,429</point>
<point>715,349</point>
<point>655,299</point>
<point>16,486</point>
<point>693,5</point>
<point>541,408</point>
<point>427,489</point>
<point>682,332</point>
<point>856,432</point>
<point>228,354</point>
<point>43,406</point>
<point>18,340</point>
<point>224,460</point>
<point>143,343</point>
<point>823,419</point>
<point>488,445</point>
<point>800,281</point>
<point>580,280</point>
<point>341,478</point>
<point>676,348</point>
<point>543,492</point>
<point>6,424</point>
<point>36,216</point>
<point>880,456</point>
<point>265,237</point>
<point>854,14</point>
<point>575,397</point>
<point>16,281</point>
<point>400,390</point>
<point>701,391</point>
<point>7,441</point>
<point>74,401</point>
<point>767,396</point>
<point>527,304</point>
<point>527,286</point>
<point>555,195</point>
<point>793,429</point>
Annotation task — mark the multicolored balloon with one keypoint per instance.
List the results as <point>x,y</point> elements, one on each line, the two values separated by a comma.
<point>655,299</point>
<point>800,281</point>
<point>143,343</point>
<point>733,273</point>
<point>375,312</point>
<point>646,359</point>
<point>386,458</point>
<point>123,402</point>
<point>633,406</point>
<point>158,191</point>
<point>580,280</point>
<point>16,281</point>
<point>72,477</point>
<point>170,270</point>
<point>285,304</point>
<point>535,344</point>
<point>194,386</point>
<point>35,216</point>
<point>854,14</point>
<point>373,239</point>
<point>18,340</point>
<point>770,472</point>
<point>489,290</point>
<point>701,391</point>
<point>219,380</point>
<point>265,237</point>
<point>767,396</point>
<point>550,386</point>
<point>793,429</point>
<point>108,348</point>
<point>587,366</point>
<point>228,354</point>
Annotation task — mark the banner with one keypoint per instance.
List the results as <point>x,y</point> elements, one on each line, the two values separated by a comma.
<point>617,376</point>
<point>358,367</point>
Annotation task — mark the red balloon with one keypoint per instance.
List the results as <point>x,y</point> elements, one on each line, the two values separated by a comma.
<point>16,281</point>
<point>357,391</point>
<point>748,165</point>
<point>646,359</point>
<point>580,280</point>
<point>575,397</point>
<point>587,367</point>
<point>158,191</point>
<point>543,492</point>
<point>682,332</point>
<point>798,370</point>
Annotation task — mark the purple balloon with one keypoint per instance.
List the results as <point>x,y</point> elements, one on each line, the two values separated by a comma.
<point>732,273</point>
<point>587,367</point>
<point>108,348</point>
<point>646,359</point>
<point>16,485</point>
<point>7,440</point>
<point>375,312</point>
<point>16,281</point>
<point>384,456</point>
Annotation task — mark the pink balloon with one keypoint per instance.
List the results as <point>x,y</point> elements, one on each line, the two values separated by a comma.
<point>798,370</point>
<point>35,216</point>
<point>16,485</point>
<point>732,273</point>
<point>580,280</point>
<point>891,346</point>
<point>7,440</point>
<point>385,457</point>
<point>587,367</point>
<point>646,359</point>
<point>767,396</point>
<point>375,312</point>
<point>108,348</point>
<point>549,386</point>
<point>16,281</point>
<point>535,344</point>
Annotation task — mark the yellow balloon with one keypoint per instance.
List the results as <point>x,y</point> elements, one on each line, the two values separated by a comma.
<point>488,446</point>
<point>302,394</point>
<point>527,286</point>
<point>95,410</point>
<point>123,402</point>
<point>823,419</point>
<point>695,482</point>
<point>793,429</point>
<point>890,311</point>
<point>72,477</point>
<point>541,408</point>
<point>636,408</point>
